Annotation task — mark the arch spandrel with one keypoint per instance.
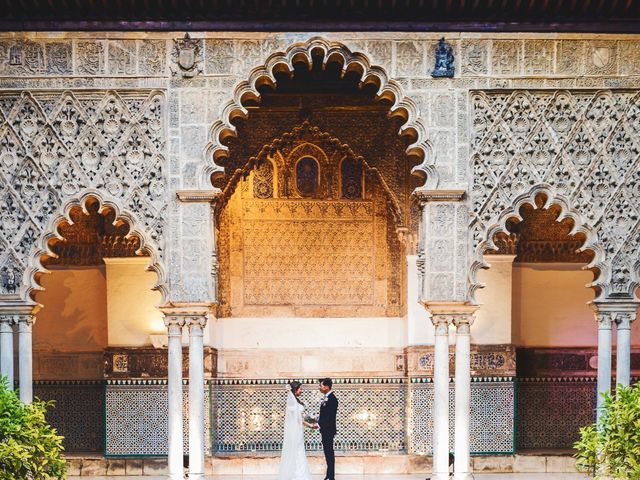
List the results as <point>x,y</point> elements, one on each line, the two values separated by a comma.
<point>567,145</point>
<point>402,106</point>
<point>66,145</point>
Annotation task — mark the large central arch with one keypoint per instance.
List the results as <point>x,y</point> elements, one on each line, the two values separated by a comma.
<point>265,74</point>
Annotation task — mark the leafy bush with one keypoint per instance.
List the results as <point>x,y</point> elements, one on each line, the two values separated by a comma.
<point>611,447</point>
<point>30,448</point>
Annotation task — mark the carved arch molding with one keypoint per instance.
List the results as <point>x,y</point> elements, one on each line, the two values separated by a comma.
<point>581,149</point>
<point>308,228</point>
<point>58,149</point>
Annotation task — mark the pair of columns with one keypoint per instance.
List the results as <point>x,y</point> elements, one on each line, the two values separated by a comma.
<point>620,314</point>
<point>22,320</point>
<point>461,316</point>
<point>194,320</point>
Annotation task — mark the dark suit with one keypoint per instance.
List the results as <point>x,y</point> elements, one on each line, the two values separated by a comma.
<point>327,424</point>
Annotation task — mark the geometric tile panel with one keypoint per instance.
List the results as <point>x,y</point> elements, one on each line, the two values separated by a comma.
<point>248,415</point>
<point>492,416</point>
<point>78,413</point>
<point>137,418</point>
<point>550,411</point>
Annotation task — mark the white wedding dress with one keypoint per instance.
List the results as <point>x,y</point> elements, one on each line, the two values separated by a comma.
<point>293,462</point>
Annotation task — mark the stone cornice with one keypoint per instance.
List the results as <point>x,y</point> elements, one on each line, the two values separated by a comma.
<point>440,195</point>
<point>190,196</point>
<point>450,308</point>
<point>187,309</point>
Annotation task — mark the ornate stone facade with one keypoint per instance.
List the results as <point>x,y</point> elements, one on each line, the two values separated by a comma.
<point>160,131</point>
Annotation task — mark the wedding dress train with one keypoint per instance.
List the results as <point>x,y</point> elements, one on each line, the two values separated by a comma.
<point>293,461</point>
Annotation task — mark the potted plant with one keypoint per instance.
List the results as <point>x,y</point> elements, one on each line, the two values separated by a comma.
<point>610,448</point>
<point>30,449</point>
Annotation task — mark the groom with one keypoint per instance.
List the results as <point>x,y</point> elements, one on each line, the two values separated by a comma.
<point>327,425</point>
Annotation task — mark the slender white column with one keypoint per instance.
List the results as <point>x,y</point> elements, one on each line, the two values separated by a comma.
<point>462,463</point>
<point>623,349</point>
<point>196,397</point>
<point>604,356</point>
<point>6,347</point>
<point>441,398</point>
<point>176,445</point>
<point>25,357</point>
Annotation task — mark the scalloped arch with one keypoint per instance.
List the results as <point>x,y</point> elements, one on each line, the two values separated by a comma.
<point>357,62</point>
<point>35,267</point>
<point>580,225</point>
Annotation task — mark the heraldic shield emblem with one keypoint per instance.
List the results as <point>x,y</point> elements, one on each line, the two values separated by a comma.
<point>187,55</point>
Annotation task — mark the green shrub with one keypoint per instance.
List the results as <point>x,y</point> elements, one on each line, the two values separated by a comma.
<point>611,447</point>
<point>30,448</point>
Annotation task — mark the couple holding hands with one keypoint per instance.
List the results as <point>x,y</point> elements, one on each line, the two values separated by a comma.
<point>293,462</point>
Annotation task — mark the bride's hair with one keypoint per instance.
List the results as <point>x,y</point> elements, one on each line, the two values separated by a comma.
<point>295,385</point>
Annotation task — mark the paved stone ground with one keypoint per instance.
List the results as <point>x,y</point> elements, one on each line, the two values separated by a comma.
<point>486,476</point>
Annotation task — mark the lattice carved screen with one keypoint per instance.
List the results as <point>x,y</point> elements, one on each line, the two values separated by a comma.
<point>284,252</point>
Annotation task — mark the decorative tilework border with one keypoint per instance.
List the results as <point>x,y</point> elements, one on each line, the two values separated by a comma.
<point>78,412</point>
<point>137,418</point>
<point>551,410</point>
<point>492,416</point>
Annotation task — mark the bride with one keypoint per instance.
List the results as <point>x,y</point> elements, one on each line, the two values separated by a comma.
<point>293,462</point>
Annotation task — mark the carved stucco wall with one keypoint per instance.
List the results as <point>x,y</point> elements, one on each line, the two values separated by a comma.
<point>581,149</point>
<point>57,148</point>
<point>133,66</point>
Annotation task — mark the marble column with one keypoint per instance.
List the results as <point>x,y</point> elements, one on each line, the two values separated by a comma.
<point>462,463</point>
<point>174,325</point>
<point>624,315</point>
<point>604,358</point>
<point>25,357</point>
<point>6,347</point>
<point>623,349</point>
<point>440,411</point>
<point>196,396</point>
<point>621,314</point>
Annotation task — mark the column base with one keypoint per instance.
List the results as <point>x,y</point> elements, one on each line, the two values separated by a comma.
<point>175,476</point>
<point>440,476</point>
<point>462,476</point>
<point>196,476</point>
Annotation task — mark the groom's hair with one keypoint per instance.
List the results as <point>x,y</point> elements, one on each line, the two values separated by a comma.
<point>327,382</point>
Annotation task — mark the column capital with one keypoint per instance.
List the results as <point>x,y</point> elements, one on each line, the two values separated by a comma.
<point>620,313</point>
<point>7,320</point>
<point>194,321</point>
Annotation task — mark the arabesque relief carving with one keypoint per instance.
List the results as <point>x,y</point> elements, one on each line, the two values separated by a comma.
<point>56,146</point>
<point>581,149</point>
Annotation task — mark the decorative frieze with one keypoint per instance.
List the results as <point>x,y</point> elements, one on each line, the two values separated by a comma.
<point>141,362</point>
<point>486,361</point>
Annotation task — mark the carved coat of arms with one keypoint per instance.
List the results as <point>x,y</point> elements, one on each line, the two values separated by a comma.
<point>187,55</point>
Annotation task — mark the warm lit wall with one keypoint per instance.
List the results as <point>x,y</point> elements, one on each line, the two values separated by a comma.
<point>131,303</point>
<point>550,306</point>
<point>420,330</point>
<point>74,313</point>
<point>493,323</point>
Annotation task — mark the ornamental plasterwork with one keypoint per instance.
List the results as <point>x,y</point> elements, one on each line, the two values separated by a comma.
<point>60,149</point>
<point>581,149</point>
